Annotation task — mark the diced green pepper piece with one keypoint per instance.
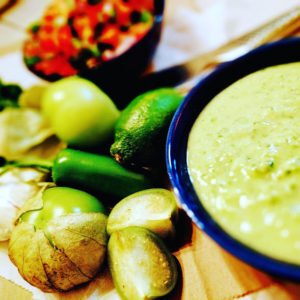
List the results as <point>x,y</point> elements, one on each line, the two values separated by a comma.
<point>146,16</point>
<point>35,28</point>
<point>31,61</point>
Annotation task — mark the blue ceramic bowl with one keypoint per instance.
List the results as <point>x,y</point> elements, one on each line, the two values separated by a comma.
<point>281,52</point>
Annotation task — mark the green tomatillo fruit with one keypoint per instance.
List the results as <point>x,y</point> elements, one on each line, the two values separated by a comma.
<point>154,209</point>
<point>60,239</point>
<point>79,112</point>
<point>59,201</point>
<point>140,264</point>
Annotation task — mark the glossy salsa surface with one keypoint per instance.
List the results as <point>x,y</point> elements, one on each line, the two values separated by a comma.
<point>75,35</point>
<point>244,160</point>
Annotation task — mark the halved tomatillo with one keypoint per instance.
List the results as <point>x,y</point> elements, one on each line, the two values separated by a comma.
<point>155,209</point>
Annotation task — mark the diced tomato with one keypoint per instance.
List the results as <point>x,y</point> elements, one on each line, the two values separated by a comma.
<point>110,35</point>
<point>123,12</point>
<point>31,48</point>
<point>48,29</point>
<point>48,18</point>
<point>47,41</point>
<point>93,12</point>
<point>80,5</point>
<point>65,41</point>
<point>57,65</point>
<point>140,5</point>
<point>82,26</point>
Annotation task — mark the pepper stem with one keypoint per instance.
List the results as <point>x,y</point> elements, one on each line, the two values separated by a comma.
<point>30,162</point>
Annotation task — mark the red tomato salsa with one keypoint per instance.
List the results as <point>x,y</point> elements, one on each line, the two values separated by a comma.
<point>82,34</point>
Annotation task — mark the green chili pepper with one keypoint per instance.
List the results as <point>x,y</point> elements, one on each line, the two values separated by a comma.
<point>96,174</point>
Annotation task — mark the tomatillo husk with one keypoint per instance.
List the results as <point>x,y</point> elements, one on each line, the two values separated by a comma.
<point>69,250</point>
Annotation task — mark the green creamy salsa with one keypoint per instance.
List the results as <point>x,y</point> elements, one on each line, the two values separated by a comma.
<point>244,160</point>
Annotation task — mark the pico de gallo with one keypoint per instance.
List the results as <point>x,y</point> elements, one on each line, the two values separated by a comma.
<point>81,34</point>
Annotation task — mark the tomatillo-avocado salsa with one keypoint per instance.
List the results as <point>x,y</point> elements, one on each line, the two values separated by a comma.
<point>244,160</point>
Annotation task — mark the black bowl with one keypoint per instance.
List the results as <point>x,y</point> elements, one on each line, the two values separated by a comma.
<point>281,52</point>
<point>117,76</point>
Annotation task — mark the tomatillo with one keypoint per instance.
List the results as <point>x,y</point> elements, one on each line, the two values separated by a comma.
<point>60,239</point>
<point>79,112</point>
<point>140,264</point>
<point>154,209</point>
<point>59,201</point>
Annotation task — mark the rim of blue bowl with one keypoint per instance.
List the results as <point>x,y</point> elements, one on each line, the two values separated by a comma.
<point>281,52</point>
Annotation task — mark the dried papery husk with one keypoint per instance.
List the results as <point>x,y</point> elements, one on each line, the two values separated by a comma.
<point>17,186</point>
<point>74,240</point>
<point>74,255</point>
<point>20,130</point>
<point>34,203</point>
<point>62,273</point>
<point>28,256</point>
<point>48,149</point>
<point>21,235</point>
